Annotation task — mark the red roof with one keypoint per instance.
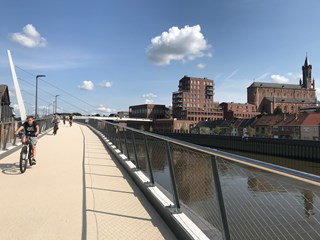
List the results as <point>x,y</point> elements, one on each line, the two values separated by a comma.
<point>303,118</point>
<point>312,119</point>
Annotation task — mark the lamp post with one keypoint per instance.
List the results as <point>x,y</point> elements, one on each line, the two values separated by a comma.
<point>48,109</point>
<point>56,103</point>
<point>36,107</point>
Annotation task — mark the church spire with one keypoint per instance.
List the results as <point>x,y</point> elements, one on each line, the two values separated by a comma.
<point>306,74</point>
<point>306,62</point>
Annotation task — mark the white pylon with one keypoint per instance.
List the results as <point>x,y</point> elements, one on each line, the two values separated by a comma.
<point>20,101</point>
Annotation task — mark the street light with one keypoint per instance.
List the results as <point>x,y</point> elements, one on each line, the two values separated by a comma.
<point>36,110</point>
<point>56,102</point>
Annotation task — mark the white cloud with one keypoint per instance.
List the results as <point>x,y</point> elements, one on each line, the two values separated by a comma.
<point>182,44</point>
<point>279,79</point>
<point>87,85</point>
<point>29,37</point>
<point>149,101</point>
<point>149,95</point>
<point>149,98</point>
<point>318,91</point>
<point>102,108</point>
<point>105,84</point>
<point>201,65</point>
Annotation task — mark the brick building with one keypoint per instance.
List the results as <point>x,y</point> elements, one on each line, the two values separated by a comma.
<point>194,100</point>
<point>172,126</point>
<point>288,97</point>
<point>151,111</point>
<point>303,126</point>
<point>238,110</point>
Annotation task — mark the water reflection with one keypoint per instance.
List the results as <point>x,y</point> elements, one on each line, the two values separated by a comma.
<point>259,205</point>
<point>193,174</point>
<point>312,167</point>
<point>263,185</point>
<point>308,202</point>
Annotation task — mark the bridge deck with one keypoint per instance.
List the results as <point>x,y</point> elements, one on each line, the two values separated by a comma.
<point>76,191</point>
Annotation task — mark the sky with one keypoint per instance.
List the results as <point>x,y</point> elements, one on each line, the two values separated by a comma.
<point>103,56</point>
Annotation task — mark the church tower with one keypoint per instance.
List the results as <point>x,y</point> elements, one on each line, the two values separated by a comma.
<point>306,75</point>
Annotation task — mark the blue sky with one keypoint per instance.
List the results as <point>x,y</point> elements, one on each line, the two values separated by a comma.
<point>112,54</point>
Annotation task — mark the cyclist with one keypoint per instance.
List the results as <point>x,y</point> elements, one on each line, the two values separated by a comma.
<point>55,120</point>
<point>30,129</point>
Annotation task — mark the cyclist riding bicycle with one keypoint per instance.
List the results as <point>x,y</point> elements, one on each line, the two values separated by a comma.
<point>55,120</point>
<point>30,130</point>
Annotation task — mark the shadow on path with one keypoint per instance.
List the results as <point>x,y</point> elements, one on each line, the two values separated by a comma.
<point>10,168</point>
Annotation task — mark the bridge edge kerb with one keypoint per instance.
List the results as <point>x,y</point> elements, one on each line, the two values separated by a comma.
<point>167,216</point>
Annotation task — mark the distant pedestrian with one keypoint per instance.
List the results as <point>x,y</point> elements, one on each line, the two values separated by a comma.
<point>64,119</point>
<point>70,120</point>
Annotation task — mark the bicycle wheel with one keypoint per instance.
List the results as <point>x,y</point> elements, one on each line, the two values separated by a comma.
<point>23,159</point>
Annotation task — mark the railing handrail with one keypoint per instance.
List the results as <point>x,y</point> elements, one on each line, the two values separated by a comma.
<point>294,174</point>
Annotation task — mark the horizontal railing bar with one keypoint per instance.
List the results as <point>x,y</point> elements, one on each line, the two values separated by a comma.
<point>294,174</point>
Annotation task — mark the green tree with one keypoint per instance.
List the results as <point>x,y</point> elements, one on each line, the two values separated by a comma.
<point>217,130</point>
<point>231,128</point>
<point>249,131</point>
<point>269,132</point>
<point>295,136</point>
<point>277,111</point>
<point>141,128</point>
<point>182,129</point>
<point>204,130</point>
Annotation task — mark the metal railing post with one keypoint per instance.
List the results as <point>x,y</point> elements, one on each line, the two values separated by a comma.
<point>126,143</point>
<point>114,135</point>
<point>135,150</point>
<point>6,138</point>
<point>148,159</point>
<point>105,130</point>
<point>173,179</point>
<point>119,139</point>
<point>220,198</point>
<point>14,140</point>
<point>110,133</point>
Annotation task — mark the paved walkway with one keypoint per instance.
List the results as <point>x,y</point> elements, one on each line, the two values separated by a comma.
<point>76,191</point>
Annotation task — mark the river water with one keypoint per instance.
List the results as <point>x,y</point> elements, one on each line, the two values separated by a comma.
<point>259,204</point>
<point>312,167</point>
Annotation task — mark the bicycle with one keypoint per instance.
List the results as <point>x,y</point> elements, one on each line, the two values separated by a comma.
<point>55,128</point>
<point>25,155</point>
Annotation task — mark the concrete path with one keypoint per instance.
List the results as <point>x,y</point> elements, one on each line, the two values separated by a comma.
<point>76,191</point>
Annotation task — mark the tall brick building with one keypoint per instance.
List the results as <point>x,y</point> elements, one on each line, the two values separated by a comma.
<point>194,100</point>
<point>289,97</point>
